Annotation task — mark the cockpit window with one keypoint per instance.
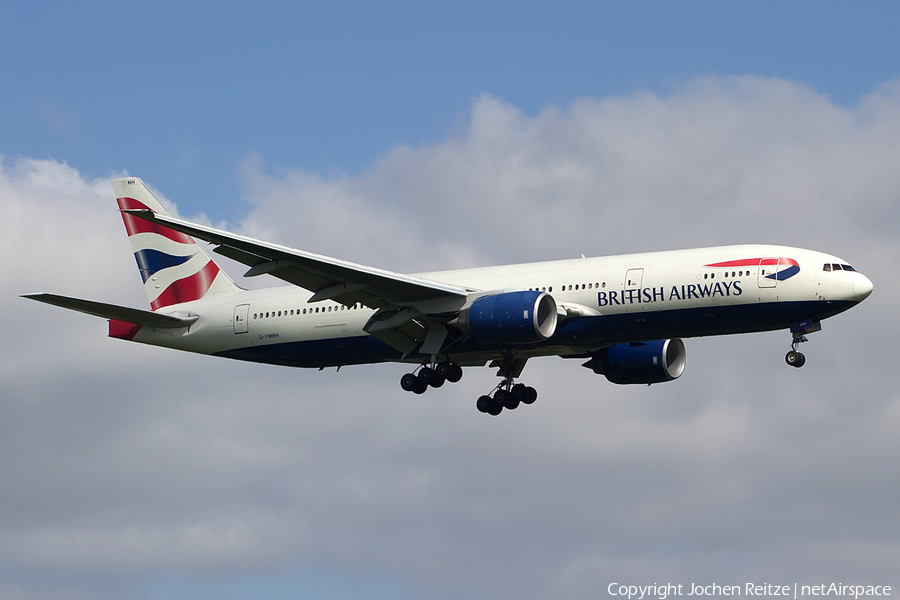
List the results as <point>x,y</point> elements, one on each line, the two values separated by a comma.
<point>837,267</point>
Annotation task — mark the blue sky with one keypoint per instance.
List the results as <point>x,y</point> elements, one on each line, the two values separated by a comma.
<point>179,93</point>
<point>417,136</point>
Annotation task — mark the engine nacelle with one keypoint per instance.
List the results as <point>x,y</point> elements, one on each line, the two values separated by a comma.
<point>510,318</point>
<point>640,362</point>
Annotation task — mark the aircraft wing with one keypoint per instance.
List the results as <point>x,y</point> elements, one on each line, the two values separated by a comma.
<point>112,311</point>
<point>328,278</point>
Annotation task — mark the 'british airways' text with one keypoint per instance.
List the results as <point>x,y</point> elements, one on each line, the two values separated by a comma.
<point>676,292</point>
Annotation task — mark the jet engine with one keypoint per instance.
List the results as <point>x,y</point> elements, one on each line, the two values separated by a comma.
<point>640,362</point>
<point>510,318</point>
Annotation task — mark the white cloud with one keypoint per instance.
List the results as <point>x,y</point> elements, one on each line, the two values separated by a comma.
<point>122,461</point>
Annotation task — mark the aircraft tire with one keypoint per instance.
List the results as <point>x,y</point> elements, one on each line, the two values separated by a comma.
<point>427,375</point>
<point>795,359</point>
<point>530,395</point>
<point>519,392</point>
<point>455,373</point>
<point>500,397</point>
<point>408,382</point>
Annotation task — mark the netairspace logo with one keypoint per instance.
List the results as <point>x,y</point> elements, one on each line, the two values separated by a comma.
<point>663,591</point>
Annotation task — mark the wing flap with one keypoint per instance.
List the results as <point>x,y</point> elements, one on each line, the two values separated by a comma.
<point>240,256</point>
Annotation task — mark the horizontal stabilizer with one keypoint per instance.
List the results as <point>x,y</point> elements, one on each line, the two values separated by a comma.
<point>111,311</point>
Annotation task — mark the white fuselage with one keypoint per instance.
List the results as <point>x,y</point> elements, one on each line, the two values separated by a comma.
<point>607,300</point>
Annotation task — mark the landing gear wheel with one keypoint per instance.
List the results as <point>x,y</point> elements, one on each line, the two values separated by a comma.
<point>489,405</point>
<point>795,359</point>
<point>519,392</point>
<point>455,373</point>
<point>421,386</point>
<point>530,395</point>
<point>409,382</point>
<point>429,376</point>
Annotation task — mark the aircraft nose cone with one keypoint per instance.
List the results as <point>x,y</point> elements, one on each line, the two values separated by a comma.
<point>862,287</point>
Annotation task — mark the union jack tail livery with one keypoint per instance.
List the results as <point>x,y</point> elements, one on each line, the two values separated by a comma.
<point>174,267</point>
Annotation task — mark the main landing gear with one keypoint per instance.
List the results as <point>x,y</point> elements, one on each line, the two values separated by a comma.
<point>431,377</point>
<point>508,396</point>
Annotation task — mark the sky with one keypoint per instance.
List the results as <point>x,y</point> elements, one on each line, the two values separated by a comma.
<point>418,138</point>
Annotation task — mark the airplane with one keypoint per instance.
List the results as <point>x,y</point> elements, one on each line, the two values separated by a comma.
<point>624,315</point>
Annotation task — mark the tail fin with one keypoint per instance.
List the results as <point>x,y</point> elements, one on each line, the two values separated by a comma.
<point>174,268</point>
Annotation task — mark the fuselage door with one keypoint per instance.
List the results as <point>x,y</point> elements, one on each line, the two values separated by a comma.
<point>241,312</point>
<point>768,272</point>
<point>633,279</point>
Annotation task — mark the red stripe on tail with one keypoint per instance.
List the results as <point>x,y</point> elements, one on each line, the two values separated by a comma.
<point>187,289</point>
<point>135,225</point>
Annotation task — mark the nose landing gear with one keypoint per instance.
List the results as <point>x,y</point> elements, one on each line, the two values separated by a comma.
<point>795,358</point>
